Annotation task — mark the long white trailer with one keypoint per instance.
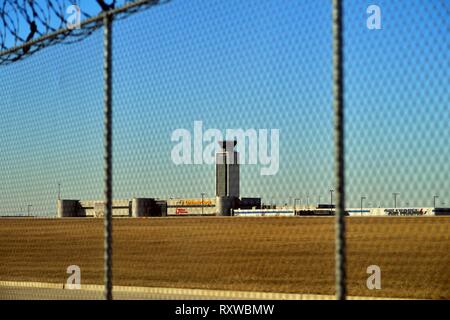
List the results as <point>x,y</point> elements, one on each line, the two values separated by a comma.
<point>355,212</point>
<point>426,211</point>
<point>264,212</point>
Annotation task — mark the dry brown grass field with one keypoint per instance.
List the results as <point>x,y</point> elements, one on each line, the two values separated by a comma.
<point>252,254</point>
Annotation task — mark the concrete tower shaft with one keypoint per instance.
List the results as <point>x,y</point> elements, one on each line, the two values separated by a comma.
<point>227,177</point>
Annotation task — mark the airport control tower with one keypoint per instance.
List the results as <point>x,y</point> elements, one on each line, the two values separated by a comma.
<point>227,177</point>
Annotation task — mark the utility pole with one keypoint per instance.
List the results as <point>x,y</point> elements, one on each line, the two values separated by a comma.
<point>362,199</point>
<point>203,194</point>
<point>295,204</point>
<point>59,191</point>
<point>395,194</point>
<point>434,201</point>
<point>331,196</point>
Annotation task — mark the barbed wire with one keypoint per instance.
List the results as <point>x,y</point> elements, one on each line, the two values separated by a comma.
<point>26,26</point>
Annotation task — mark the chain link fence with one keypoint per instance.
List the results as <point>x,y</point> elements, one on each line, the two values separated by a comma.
<point>109,149</point>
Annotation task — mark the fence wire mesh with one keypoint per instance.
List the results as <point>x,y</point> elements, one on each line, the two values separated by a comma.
<point>188,75</point>
<point>397,144</point>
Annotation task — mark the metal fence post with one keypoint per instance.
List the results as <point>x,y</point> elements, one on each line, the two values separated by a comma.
<point>338,105</point>
<point>107,74</point>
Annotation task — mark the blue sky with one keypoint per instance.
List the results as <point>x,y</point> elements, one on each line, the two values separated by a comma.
<point>235,64</point>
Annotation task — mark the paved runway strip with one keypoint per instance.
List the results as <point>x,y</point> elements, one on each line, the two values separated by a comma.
<point>13,290</point>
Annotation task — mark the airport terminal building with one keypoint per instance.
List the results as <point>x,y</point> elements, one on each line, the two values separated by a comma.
<point>227,197</point>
